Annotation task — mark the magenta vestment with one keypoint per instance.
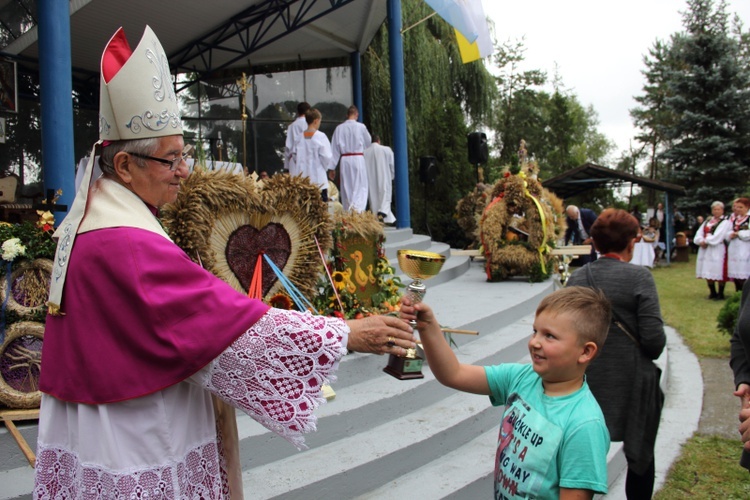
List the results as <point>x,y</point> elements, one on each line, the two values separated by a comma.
<point>144,318</point>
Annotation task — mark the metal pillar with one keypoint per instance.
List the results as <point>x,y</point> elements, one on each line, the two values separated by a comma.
<point>357,82</point>
<point>398,112</point>
<point>56,85</point>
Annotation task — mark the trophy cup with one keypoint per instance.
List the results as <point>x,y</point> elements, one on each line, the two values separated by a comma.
<point>419,266</point>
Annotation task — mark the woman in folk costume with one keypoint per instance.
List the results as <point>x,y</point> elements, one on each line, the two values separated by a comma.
<point>643,252</point>
<point>712,251</point>
<point>139,338</point>
<point>738,251</point>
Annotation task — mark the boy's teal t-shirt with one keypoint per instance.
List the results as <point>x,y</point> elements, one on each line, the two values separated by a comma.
<point>546,443</point>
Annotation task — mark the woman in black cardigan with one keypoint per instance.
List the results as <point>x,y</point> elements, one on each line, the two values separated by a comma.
<point>623,378</point>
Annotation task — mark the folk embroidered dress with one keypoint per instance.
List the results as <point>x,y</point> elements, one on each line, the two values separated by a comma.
<point>710,262</point>
<point>146,340</point>
<point>738,249</point>
<point>349,141</point>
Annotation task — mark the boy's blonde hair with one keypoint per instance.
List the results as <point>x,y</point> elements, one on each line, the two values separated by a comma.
<point>589,308</point>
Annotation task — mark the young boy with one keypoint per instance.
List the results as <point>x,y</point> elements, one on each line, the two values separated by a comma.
<point>312,153</point>
<point>553,440</point>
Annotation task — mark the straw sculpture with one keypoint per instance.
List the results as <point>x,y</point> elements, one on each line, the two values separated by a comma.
<point>20,364</point>
<point>224,221</point>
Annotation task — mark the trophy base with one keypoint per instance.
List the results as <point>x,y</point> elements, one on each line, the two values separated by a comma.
<point>404,368</point>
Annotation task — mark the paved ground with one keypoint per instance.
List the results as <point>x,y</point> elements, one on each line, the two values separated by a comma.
<point>720,407</point>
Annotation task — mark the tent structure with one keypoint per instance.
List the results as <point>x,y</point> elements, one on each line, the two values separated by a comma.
<point>63,42</point>
<point>591,176</point>
<point>208,37</point>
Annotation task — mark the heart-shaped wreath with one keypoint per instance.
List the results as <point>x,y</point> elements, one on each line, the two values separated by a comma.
<point>225,221</point>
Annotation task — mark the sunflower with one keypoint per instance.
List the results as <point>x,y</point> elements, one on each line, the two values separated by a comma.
<point>280,301</point>
<point>338,280</point>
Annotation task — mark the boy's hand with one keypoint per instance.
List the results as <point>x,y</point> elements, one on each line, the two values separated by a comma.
<point>420,312</point>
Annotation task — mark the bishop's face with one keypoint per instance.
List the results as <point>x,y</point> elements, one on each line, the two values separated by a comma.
<point>155,183</point>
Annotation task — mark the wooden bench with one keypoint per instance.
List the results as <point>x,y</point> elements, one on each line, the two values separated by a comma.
<point>9,417</point>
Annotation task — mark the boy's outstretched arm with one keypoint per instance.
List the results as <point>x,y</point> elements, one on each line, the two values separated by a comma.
<point>442,360</point>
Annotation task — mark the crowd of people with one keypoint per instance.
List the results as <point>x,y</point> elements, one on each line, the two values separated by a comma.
<point>148,357</point>
<point>636,334</point>
<point>366,167</point>
<point>148,391</point>
<point>723,244</point>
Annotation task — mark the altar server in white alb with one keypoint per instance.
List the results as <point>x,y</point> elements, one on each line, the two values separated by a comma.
<point>350,139</point>
<point>293,132</point>
<point>143,348</point>
<point>381,170</point>
<point>312,153</point>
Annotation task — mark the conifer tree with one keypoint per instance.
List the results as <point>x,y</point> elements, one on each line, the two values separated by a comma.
<point>652,116</point>
<point>709,96</point>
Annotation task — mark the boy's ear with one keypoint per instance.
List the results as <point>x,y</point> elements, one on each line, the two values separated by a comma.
<point>588,352</point>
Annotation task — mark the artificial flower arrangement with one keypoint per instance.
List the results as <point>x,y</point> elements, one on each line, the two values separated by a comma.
<point>27,253</point>
<point>26,269</point>
<point>362,281</point>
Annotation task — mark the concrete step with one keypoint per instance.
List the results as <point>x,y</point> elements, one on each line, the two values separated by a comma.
<point>382,437</point>
<point>400,239</point>
<point>400,428</point>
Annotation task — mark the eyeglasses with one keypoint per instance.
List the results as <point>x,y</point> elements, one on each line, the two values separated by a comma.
<point>173,164</point>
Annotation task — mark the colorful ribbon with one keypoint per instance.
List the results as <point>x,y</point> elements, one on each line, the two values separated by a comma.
<point>299,300</point>
<point>543,246</point>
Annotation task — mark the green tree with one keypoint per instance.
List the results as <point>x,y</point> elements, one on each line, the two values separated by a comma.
<point>560,133</point>
<point>709,142</point>
<point>652,117</point>
<point>445,99</point>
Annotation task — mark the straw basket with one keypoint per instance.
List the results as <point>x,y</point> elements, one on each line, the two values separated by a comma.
<point>29,287</point>
<point>20,362</point>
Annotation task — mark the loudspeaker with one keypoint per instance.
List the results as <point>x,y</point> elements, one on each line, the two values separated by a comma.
<point>427,170</point>
<point>478,149</point>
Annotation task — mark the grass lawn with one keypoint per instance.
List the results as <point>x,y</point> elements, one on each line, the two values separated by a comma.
<point>707,469</point>
<point>708,465</point>
<point>686,308</point>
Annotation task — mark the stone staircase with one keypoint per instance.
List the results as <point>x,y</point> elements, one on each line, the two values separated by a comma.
<point>381,437</point>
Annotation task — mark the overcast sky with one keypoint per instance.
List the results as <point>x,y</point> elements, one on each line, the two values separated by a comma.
<point>598,46</point>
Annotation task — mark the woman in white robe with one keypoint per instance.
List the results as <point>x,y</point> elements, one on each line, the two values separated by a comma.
<point>643,251</point>
<point>712,251</point>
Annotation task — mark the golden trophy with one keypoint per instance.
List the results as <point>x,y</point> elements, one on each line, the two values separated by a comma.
<point>419,266</point>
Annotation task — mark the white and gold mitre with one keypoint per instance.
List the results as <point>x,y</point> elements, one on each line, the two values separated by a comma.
<point>137,99</point>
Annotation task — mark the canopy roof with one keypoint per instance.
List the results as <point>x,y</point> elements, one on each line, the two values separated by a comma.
<point>204,36</point>
<point>590,176</point>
